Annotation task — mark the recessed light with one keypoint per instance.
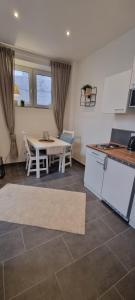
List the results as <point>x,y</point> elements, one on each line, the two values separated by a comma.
<point>68,33</point>
<point>16,14</point>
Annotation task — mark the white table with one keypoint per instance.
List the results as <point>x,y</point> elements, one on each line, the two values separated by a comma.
<point>37,145</point>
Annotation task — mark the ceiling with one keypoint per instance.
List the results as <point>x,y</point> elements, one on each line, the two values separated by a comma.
<point>42,25</point>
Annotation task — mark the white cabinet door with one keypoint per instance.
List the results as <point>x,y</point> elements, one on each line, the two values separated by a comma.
<point>115,95</point>
<point>117,185</point>
<point>94,170</point>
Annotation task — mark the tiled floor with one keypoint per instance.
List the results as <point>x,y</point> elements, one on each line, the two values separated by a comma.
<point>41,264</point>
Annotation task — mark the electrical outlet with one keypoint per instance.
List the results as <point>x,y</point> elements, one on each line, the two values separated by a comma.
<point>132,134</point>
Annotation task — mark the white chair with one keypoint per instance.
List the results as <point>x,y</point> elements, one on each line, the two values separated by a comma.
<point>31,158</point>
<point>66,136</point>
<point>59,155</point>
<point>25,149</point>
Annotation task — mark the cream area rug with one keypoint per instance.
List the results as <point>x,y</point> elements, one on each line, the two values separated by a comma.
<point>43,207</point>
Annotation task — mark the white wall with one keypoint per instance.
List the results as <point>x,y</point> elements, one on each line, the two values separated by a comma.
<point>91,124</point>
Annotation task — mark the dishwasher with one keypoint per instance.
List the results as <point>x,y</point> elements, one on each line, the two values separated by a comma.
<point>94,171</point>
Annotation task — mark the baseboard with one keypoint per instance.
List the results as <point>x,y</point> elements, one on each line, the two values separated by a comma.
<point>14,163</point>
<point>78,161</point>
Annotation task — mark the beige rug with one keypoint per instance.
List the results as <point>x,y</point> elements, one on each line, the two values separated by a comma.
<point>48,208</point>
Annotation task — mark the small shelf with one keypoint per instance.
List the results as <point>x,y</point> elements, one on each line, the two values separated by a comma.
<point>88,99</point>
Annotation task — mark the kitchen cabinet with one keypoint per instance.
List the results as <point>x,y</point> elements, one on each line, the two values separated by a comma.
<point>117,186</point>
<point>94,171</point>
<point>115,94</point>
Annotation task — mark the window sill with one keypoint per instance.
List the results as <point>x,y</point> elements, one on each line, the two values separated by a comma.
<point>38,107</point>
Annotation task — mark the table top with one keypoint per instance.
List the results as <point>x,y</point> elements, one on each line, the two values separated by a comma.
<point>44,145</point>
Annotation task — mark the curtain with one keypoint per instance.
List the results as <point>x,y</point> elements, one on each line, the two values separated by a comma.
<point>6,95</point>
<point>60,83</point>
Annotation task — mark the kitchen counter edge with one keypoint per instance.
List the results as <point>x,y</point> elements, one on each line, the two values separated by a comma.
<point>121,155</point>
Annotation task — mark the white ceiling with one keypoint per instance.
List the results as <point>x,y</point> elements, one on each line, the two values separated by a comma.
<point>42,25</point>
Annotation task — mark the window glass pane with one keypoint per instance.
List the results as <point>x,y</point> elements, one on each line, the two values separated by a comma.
<point>43,90</point>
<point>22,86</point>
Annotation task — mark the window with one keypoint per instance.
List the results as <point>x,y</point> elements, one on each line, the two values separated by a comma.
<point>43,89</point>
<point>32,86</point>
<point>22,86</point>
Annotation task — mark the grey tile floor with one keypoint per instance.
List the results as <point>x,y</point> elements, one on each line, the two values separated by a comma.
<point>42,264</point>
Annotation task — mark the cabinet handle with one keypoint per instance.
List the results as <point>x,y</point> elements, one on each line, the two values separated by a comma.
<point>94,153</point>
<point>100,163</point>
<point>105,162</point>
<point>119,109</point>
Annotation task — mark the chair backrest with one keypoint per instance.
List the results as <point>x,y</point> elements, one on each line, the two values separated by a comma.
<point>67,136</point>
<point>26,144</point>
<point>69,132</point>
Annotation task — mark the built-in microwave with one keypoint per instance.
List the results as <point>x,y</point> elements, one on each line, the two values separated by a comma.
<point>131,102</point>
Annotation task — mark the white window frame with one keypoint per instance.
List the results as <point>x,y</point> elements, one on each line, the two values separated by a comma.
<point>33,86</point>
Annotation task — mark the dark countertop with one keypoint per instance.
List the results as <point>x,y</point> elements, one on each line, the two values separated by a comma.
<point>121,154</point>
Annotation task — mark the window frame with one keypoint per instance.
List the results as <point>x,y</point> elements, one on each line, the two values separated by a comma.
<point>33,85</point>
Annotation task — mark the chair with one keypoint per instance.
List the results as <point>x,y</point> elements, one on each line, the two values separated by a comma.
<point>31,158</point>
<point>26,152</point>
<point>67,136</point>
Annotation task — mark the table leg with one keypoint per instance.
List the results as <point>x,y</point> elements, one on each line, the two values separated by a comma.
<point>63,162</point>
<point>37,164</point>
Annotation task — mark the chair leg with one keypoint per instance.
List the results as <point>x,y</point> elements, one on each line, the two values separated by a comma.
<point>60,162</point>
<point>50,160</point>
<point>27,162</point>
<point>70,160</point>
<point>63,164</point>
<point>47,168</point>
<point>29,167</point>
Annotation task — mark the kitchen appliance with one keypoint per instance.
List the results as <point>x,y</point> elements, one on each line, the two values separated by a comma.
<point>2,169</point>
<point>94,170</point>
<point>131,144</point>
<point>131,103</point>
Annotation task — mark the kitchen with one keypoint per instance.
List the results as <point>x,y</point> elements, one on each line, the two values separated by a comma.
<point>110,167</point>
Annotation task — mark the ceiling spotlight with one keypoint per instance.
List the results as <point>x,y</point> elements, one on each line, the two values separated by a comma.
<point>16,14</point>
<point>68,33</point>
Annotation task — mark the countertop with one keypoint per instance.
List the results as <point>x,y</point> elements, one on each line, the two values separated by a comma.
<point>121,154</point>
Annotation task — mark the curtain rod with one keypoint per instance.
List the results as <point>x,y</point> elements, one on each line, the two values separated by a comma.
<point>32,53</point>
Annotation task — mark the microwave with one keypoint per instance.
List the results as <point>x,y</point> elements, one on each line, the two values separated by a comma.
<point>131,102</point>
